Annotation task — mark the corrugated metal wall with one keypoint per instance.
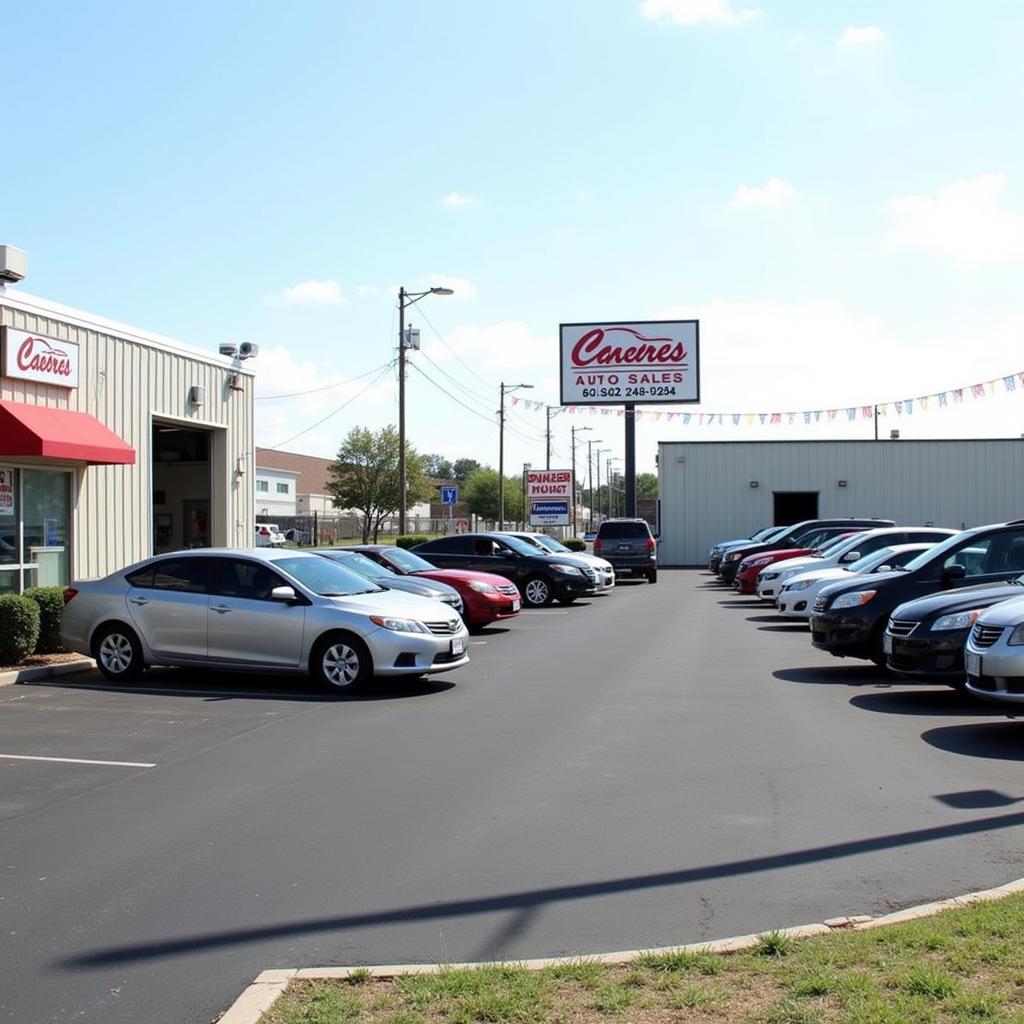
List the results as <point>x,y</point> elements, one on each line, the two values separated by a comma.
<point>706,494</point>
<point>126,384</point>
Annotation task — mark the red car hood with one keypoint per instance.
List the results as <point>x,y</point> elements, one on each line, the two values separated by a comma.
<point>778,556</point>
<point>449,575</point>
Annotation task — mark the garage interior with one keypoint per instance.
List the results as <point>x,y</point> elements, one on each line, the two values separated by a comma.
<point>182,486</point>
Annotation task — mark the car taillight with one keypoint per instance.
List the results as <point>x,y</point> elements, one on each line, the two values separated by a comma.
<point>69,592</point>
<point>650,543</point>
<point>597,547</point>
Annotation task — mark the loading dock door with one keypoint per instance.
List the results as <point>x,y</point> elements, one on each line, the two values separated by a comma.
<point>794,506</point>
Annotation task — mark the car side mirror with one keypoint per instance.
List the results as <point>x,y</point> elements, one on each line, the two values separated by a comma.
<point>285,594</point>
<point>953,572</point>
<point>850,556</point>
<point>883,568</point>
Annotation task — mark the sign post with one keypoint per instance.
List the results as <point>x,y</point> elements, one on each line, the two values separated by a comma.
<point>450,497</point>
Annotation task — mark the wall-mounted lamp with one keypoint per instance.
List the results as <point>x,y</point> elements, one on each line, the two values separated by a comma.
<point>240,466</point>
<point>754,483</point>
<point>235,382</point>
<point>197,395</point>
<point>841,483</point>
<point>894,435</point>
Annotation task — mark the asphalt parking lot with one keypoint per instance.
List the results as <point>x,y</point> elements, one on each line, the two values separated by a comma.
<point>663,764</point>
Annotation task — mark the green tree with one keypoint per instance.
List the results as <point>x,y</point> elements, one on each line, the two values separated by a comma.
<point>647,485</point>
<point>480,492</point>
<point>461,468</point>
<point>438,467</point>
<point>365,476</point>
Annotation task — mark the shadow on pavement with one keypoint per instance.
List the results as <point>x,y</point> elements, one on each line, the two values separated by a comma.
<point>999,741</point>
<point>766,618</point>
<point>785,627</point>
<point>744,603</point>
<point>854,674</point>
<point>931,700</point>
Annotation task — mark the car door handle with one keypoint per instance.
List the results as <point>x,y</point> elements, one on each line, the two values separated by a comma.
<point>139,600</point>
<point>220,609</point>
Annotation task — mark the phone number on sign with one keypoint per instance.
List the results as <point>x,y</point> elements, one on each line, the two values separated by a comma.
<point>632,391</point>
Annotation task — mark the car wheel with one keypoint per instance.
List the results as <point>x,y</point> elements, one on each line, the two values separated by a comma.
<point>652,576</point>
<point>537,592</point>
<point>341,663</point>
<point>118,653</point>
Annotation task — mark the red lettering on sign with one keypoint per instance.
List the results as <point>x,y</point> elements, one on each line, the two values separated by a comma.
<point>43,359</point>
<point>594,348</point>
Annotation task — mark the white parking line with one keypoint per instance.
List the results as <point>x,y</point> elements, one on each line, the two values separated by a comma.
<point>76,760</point>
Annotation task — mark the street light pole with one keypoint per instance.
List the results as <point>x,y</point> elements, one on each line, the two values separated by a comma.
<point>600,452</point>
<point>526,469</point>
<point>608,468</point>
<point>406,299</point>
<point>590,481</point>
<point>506,389</point>
<point>574,431</point>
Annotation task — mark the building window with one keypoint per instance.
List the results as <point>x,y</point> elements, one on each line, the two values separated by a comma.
<point>282,488</point>
<point>35,513</point>
<point>262,487</point>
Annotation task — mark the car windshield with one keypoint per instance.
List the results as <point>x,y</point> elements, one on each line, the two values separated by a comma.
<point>326,578</point>
<point>622,531</point>
<point>359,563</point>
<point>518,544</point>
<point>837,546</point>
<point>935,552</point>
<point>551,545</point>
<point>879,557</point>
<point>777,533</point>
<point>409,561</point>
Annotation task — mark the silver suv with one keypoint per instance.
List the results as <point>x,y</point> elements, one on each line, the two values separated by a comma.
<point>630,546</point>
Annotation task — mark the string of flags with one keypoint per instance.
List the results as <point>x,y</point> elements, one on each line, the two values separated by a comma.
<point>903,407</point>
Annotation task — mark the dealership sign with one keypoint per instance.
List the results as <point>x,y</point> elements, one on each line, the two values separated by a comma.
<point>643,362</point>
<point>43,360</point>
<point>550,493</point>
<point>549,513</point>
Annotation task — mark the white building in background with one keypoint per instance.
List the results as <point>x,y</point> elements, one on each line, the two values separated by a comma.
<point>718,490</point>
<point>276,492</point>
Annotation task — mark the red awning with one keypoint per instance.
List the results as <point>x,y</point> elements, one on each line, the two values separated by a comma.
<point>35,430</point>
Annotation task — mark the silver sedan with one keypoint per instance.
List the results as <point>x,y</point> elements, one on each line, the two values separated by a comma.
<point>994,655</point>
<point>261,609</point>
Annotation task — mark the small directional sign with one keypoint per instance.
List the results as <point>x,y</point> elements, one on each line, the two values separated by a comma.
<point>449,495</point>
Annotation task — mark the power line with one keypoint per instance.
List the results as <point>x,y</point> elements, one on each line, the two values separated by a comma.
<point>387,367</point>
<point>486,384</point>
<point>326,387</point>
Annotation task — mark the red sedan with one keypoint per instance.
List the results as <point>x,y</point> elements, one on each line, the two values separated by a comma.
<point>486,597</point>
<point>746,574</point>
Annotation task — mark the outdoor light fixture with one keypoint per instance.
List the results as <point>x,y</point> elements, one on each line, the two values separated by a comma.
<point>754,483</point>
<point>841,483</point>
<point>506,389</point>
<point>406,299</point>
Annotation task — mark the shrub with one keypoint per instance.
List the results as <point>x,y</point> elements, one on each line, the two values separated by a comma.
<point>575,544</point>
<point>409,540</point>
<point>19,628</point>
<point>51,608</point>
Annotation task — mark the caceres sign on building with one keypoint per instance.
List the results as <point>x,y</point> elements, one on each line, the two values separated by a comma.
<point>550,493</point>
<point>37,358</point>
<point>643,362</point>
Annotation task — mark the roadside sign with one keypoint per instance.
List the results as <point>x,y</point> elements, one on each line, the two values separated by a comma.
<point>449,495</point>
<point>549,512</point>
<point>549,483</point>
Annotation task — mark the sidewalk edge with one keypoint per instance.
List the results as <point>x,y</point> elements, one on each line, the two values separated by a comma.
<point>28,675</point>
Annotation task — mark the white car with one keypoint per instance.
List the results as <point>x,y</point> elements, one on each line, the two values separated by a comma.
<point>845,551</point>
<point>796,601</point>
<point>605,570</point>
<point>268,535</point>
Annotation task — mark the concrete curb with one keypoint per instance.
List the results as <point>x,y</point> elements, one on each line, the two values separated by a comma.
<point>269,985</point>
<point>28,675</point>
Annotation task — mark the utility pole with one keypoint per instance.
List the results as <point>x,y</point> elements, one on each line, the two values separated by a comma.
<point>590,482</point>
<point>574,431</point>
<point>506,389</point>
<point>549,410</point>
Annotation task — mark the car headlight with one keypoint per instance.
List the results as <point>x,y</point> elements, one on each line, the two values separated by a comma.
<point>568,570</point>
<point>788,574</point>
<point>801,584</point>
<point>854,600</point>
<point>959,620</point>
<point>398,625</point>
<point>758,562</point>
<point>734,557</point>
<point>482,588</point>
<point>1017,636</point>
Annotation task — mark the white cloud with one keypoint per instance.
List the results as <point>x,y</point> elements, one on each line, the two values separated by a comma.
<point>693,12</point>
<point>963,221</point>
<point>457,199</point>
<point>310,293</point>
<point>775,192</point>
<point>495,349</point>
<point>866,36</point>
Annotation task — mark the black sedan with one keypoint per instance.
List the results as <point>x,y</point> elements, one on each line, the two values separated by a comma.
<point>925,638</point>
<point>541,578</point>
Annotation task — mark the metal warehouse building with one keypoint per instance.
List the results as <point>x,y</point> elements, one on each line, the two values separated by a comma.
<point>115,444</point>
<point>717,490</point>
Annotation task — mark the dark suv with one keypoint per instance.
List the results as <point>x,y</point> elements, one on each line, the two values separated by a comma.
<point>630,546</point>
<point>850,618</point>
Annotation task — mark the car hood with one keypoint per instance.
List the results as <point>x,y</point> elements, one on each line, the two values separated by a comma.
<point>861,582</point>
<point>963,599</point>
<point>456,576</point>
<point>433,589</point>
<point>834,573</point>
<point>1006,613</point>
<point>777,555</point>
<point>395,603</point>
<point>801,562</point>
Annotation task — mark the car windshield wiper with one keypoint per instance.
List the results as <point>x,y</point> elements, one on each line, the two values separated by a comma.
<point>350,593</point>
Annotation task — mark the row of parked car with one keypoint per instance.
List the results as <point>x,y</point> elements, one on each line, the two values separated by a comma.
<point>924,603</point>
<point>343,615</point>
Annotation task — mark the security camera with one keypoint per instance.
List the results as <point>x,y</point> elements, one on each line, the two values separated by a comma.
<point>226,350</point>
<point>13,264</point>
<point>247,350</point>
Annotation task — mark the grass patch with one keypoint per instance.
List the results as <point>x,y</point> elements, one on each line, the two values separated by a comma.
<point>965,966</point>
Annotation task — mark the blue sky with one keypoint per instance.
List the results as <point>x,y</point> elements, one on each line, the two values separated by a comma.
<point>835,189</point>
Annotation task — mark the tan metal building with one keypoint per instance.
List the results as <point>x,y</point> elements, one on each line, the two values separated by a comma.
<point>115,443</point>
<point>719,490</point>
